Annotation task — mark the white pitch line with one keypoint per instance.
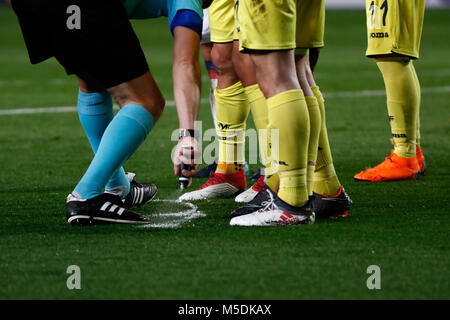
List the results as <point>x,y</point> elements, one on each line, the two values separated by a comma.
<point>37,110</point>
<point>377,93</point>
<point>171,103</point>
<point>64,109</point>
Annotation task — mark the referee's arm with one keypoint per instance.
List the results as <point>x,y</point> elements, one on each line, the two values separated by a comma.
<point>186,76</point>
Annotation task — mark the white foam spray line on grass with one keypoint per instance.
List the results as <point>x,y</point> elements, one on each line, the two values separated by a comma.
<point>178,218</point>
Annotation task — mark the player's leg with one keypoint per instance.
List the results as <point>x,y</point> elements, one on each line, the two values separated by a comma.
<point>403,102</point>
<point>231,110</point>
<point>288,115</point>
<point>95,111</point>
<point>393,41</point>
<point>302,62</point>
<point>326,183</point>
<point>231,104</point>
<point>141,105</point>
<point>323,180</point>
<point>310,25</point>
<point>419,154</point>
<point>264,195</point>
<point>230,70</point>
<point>86,50</point>
<point>212,74</point>
<point>206,48</point>
<point>287,112</point>
<point>310,34</point>
<point>267,33</point>
<point>126,77</point>
<point>245,70</point>
<point>403,106</point>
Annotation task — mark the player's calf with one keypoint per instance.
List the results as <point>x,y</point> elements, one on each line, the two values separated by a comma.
<point>142,91</point>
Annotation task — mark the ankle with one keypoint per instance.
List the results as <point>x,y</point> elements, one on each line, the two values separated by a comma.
<point>229,168</point>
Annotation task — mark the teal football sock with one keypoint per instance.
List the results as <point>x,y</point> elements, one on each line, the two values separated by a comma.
<point>95,111</point>
<point>122,137</point>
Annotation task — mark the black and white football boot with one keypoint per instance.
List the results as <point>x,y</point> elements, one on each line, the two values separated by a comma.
<point>105,208</point>
<point>276,213</point>
<point>261,200</point>
<point>140,192</point>
<point>331,206</point>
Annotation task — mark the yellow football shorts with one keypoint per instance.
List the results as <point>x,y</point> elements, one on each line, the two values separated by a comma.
<point>310,23</point>
<point>266,24</point>
<point>394,26</point>
<point>221,21</point>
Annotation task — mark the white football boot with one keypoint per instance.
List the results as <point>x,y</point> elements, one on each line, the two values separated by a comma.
<point>276,213</point>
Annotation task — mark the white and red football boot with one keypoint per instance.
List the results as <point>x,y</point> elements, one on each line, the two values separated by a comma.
<point>250,194</point>
<point>218,186</point>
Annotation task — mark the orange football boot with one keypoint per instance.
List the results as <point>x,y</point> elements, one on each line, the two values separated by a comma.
<point>421,160</point>
<point>392,168</point>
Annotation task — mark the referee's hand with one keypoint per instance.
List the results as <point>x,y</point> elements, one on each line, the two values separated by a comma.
<point>187,152</point>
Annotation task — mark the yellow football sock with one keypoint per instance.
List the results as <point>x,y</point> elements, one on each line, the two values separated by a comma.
<point>417,83</point>
<point>229,168</point>
<point>258,106</point>
<point>273,181</point>
<point>325,178</point>
<point>232,111</point>
<point>314,124</point>
<point>403,101</point>
<point>288,115</point>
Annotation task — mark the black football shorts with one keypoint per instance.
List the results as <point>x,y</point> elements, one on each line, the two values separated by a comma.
<point>88,37</point>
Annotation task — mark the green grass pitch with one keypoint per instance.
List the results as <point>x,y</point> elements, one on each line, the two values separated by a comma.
<point>403,227</point>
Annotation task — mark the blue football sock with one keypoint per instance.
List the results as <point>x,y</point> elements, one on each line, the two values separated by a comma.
<point>122,137</point>
<point>95,111</point>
